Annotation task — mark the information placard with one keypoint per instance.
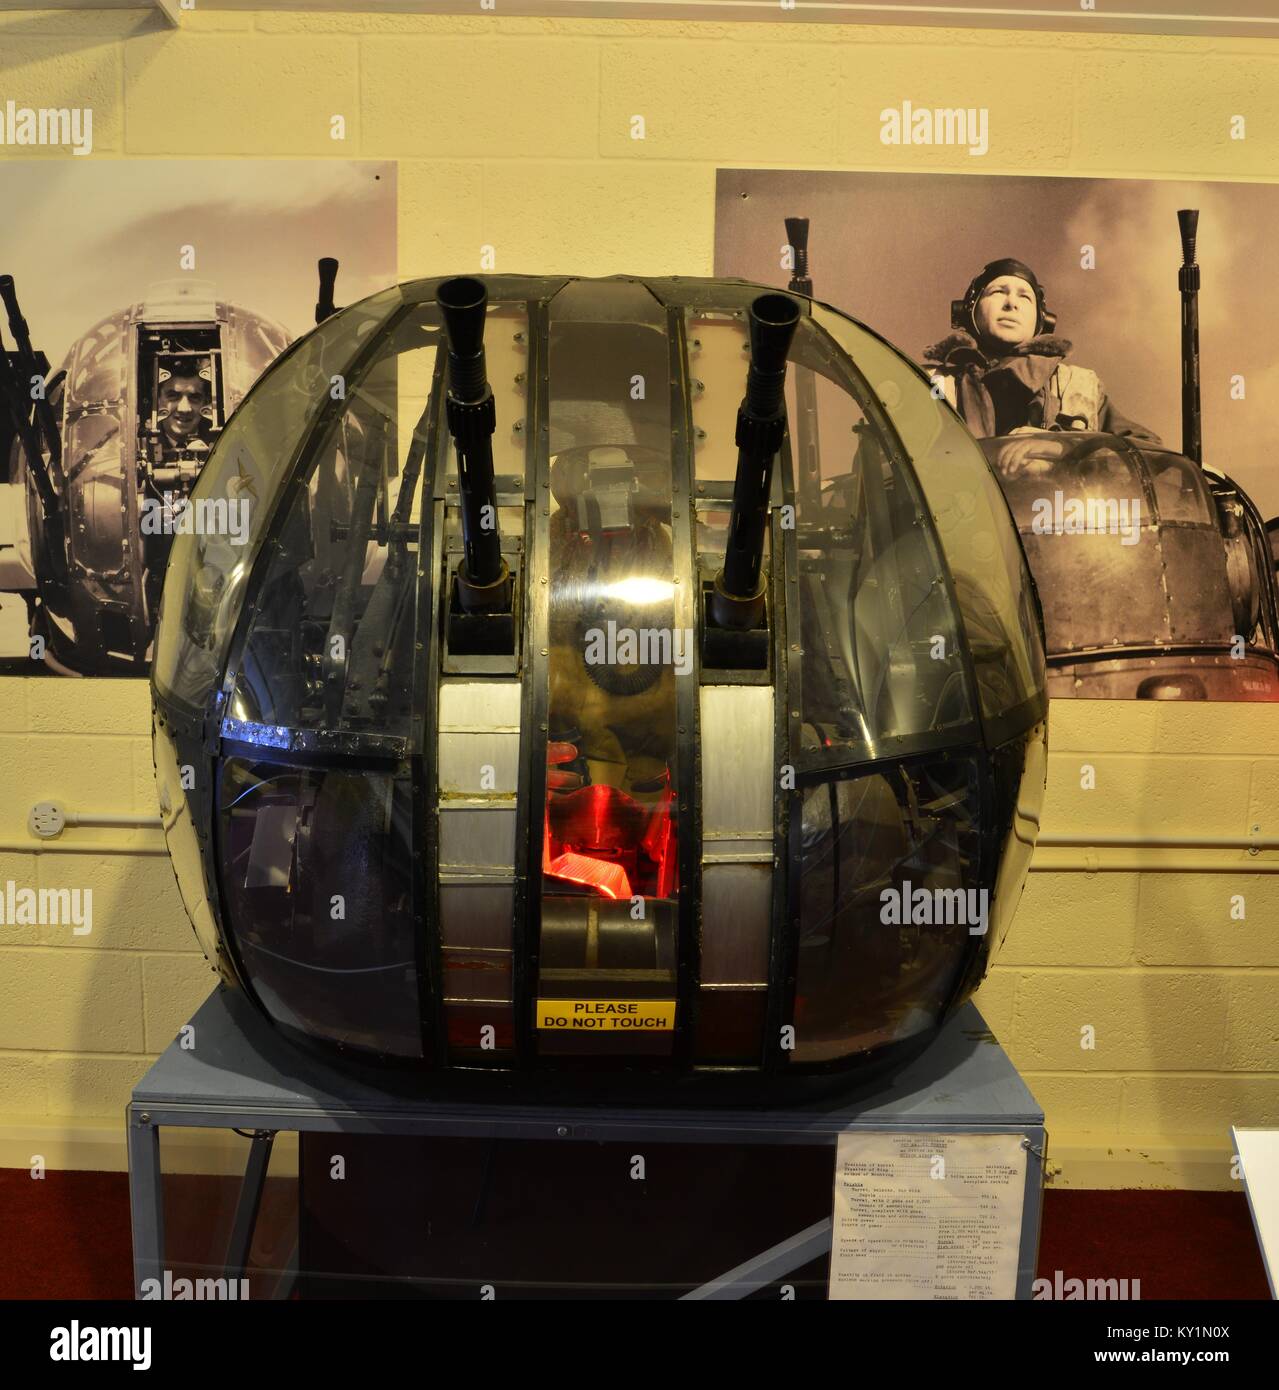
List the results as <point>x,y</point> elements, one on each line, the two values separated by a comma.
<point>927,1216</point>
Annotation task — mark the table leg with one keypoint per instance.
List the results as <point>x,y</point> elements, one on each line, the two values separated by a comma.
<point>146,1201</point>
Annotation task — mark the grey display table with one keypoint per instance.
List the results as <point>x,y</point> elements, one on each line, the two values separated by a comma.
<point>242,1074</point>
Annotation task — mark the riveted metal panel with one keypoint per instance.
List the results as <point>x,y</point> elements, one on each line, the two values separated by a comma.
<point>476,764</point>
<point>477,834</point>
<point>477,914</point>
<point>479,706</point>
<point>738,776</point>
<point>736,918</point>
<point>477,975</point>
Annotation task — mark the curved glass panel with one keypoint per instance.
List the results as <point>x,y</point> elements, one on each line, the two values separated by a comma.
<point>97,374</point>
<point>881,655</point>
<point>1180,494</point>
<point>250,344</point>
<point>506,355</point>
<point>1123,546</point>
<point>331,643</point>
<point>1059,485</point>
<point>95,463</point>
<point>1020,769</point>
<point>889,904</point>
<point>991,580</point>
<point>182,839</point>
<point>610,854</point>
<point>249,464</point>
<point>717,356</point>
<point>316,865</point>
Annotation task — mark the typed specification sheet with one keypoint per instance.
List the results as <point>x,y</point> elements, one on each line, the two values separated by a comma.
<point>927,1215</point>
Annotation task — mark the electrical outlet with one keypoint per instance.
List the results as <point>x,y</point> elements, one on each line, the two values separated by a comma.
<point>47,819</point>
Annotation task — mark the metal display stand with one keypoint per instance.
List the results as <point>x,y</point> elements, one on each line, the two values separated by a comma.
<point>243,1074</point>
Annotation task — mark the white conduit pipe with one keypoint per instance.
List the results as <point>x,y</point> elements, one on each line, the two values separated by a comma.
<point>1051,841</point>
<point>83,846</point>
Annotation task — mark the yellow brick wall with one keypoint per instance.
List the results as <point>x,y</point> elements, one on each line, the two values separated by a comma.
<point>515,134</point>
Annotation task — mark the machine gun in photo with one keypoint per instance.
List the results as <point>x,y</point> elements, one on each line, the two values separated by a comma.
<point>1154,569</point>
<point>97,463</point>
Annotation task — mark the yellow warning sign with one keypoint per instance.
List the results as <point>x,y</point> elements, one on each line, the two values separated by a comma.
<point>607,1015</point>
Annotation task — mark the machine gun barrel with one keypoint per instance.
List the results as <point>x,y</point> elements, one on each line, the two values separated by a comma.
<point>804,428</point>
<point>324,307</point>
<point>1188,282</point>
<point>483,579</point>
<point>797,239</point>
<point>737,599</point>
<point>48,426</point>
<point>13,399</point>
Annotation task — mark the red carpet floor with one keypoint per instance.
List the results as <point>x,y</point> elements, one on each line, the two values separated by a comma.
<point>67,1236</point>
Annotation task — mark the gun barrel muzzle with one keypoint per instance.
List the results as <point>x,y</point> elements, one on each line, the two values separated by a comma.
<point>463,303</point>
<point>1188,283</point>
<point>737,599</point>
<point>324,307</point>
<point>46,421</point>
<point>797,240</point>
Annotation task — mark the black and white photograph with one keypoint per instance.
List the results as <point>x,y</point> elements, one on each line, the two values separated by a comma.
<point>140,302</point>
<point>1140,457</point>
